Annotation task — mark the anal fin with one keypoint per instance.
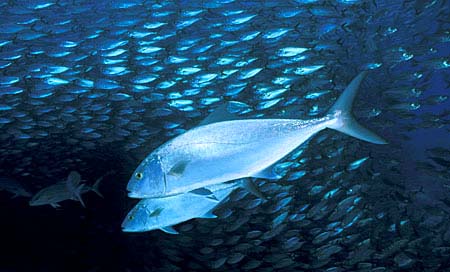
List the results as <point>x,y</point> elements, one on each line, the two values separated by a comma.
<point>213,198</point>
<point>169,229</point>
<point>202,191</point>
<point>208,215</point>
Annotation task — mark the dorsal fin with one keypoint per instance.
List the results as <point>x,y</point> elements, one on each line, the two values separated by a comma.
<point>219,114</point>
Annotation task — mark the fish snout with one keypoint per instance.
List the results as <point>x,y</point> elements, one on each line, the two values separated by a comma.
<point>133,194</point>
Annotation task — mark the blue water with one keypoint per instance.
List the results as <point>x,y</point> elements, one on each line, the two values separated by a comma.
<point>95,87</point>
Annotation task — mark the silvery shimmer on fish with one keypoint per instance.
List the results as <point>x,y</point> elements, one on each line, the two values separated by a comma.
<point>221,151</point>
<point>72,188</point>
<point>163,213</point>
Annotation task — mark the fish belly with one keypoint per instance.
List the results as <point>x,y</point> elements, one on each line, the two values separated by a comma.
<point>175,210</point>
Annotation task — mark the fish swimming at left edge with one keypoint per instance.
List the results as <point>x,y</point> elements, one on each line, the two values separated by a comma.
<point>224,150</point>
<point>71,188</point>
<point>13,186</point>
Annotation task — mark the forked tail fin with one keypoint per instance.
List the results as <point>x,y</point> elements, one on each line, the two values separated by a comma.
<point>346,123</point>
<point>95,188</point>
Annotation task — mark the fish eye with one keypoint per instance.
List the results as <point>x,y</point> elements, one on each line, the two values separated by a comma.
<point>131,217</point>
<point>139,175</point>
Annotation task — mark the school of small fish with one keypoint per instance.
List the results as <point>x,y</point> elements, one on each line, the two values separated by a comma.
<point>87,87</point>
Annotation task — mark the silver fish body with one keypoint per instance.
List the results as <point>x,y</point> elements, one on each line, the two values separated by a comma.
<point>71,188</point>
<point>220,151</point>
<point>52,195</point>
<point>163,213</point>
<point>231,150</point>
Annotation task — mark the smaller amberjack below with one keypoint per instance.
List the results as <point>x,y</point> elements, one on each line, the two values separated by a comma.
<point>224,148</point>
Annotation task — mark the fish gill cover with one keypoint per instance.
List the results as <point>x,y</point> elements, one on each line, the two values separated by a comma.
<point>94,87</point>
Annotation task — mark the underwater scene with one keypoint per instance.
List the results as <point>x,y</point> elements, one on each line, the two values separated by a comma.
<point>225,135</point>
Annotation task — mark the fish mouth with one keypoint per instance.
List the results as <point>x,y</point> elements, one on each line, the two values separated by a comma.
<point>129,229</point>
<point>125,226</point>
<point>125,229</point>
<point>132,194</point>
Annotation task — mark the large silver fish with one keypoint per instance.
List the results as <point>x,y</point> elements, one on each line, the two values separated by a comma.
<point>227,150</point>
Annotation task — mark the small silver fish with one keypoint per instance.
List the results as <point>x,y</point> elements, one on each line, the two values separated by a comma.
<point>72,188</point>
<point>219,151</point>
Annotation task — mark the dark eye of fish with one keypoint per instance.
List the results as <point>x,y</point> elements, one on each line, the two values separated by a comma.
<point>131,217</point>
<point>139,175</point>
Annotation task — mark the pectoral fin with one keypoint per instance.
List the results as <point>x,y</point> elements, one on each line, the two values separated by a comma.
<point>178,169</point>
<point>169,229</point>
<point>156,212</point>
